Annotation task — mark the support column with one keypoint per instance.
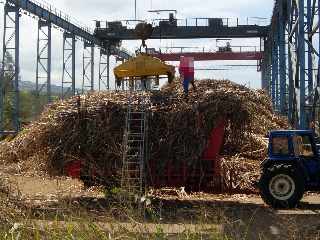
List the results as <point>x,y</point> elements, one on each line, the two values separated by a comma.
<point>264,79</point>
<point>108,69</point>
<point>282,60</point>
<point>290,65</point>
<point>302,67</point>
<point>104,70</point>
<point>275,72</point>
<point>318,78</point>
<point>69,65</point>
<point>9,82</point>
<point>88,67</point>
<point>310,58</point>
<point>43,70</point>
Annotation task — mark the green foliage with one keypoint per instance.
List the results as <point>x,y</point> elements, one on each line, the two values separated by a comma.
<point>31,104</point>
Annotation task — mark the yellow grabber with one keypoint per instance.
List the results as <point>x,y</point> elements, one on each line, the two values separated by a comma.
<point>143,66</point>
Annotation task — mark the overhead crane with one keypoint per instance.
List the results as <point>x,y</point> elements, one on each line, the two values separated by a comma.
<point>209,56</point>
<point>169,29</point>
<point>290,61</point>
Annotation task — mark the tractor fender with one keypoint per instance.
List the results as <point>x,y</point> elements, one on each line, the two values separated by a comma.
<point>295,163</point>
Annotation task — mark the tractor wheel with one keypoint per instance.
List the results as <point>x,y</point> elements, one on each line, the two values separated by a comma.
<point>282,186</point>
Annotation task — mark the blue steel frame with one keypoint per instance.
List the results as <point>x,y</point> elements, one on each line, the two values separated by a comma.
<point>104,70</point>
<point>88,67</point>
<point>43,70</point>
<point>47,16</point>
<point>69,66</point>
<point>294,51</point>
<point>9,80</point>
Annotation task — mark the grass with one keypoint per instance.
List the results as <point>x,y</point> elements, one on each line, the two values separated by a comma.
<point>89,230</point>
<point>107,218</point>
<point>119,221</point>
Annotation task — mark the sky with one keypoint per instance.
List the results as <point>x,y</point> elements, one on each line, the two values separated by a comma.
<point>86,12</point>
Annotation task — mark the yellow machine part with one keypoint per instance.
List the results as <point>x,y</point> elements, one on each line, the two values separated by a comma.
<point>143,66</point>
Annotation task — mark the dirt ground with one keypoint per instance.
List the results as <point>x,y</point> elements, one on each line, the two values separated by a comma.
<point>239,216</point>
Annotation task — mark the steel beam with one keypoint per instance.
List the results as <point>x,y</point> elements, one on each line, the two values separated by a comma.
<point>302,67</point>
<point>9,82</point>
<point>104,69</point>
<point>50,14</point>
<point>43,68</point>
<point>318,73</point>
<point>56,17</point>
<point>210,56</point>
<point>275,72</point>
<point>88,67</point>
<point>264,66</point>
<point>310,48</point>
<point>185,32</point>
<point>282,60</point>
<point>290,64</point>
<point>69,63</point>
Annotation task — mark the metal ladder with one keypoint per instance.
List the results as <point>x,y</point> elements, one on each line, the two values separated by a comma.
<point>134,154</point>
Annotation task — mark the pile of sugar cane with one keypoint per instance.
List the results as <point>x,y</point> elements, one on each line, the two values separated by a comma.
<point>179,127</point>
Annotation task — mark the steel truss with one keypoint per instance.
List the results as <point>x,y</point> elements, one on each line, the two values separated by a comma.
<point>9,79</point>
<point>69,65</point>
<point>88,67</point>
<point>293,47</point>
<point>43,70</point>
<point>9,82</point>
<point>104,69</point>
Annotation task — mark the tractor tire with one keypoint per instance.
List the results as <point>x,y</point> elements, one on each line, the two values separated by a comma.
<point>282,186</point>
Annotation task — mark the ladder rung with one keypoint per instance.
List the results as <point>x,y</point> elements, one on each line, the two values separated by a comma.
<point>135,134</point>
<point>133,171</point>
<point>138,163</point>
<point>133,151</point>
<point>140,138</point>
<point>137,113</point>
<point>135,124</point>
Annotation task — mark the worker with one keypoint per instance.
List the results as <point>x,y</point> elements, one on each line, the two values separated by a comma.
<point>187,74</point>
<point>186,80</point>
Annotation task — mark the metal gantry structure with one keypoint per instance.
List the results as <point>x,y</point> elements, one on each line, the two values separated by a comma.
<point>288,56</point>
<point>9,84</point>
<point>291,61</point>
<point>48,17</point>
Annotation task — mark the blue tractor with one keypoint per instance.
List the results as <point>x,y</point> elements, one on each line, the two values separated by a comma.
<point>292,167</point>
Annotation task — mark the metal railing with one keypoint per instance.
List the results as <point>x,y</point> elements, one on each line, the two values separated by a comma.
<point>200,22</point>
<point>235,49</point>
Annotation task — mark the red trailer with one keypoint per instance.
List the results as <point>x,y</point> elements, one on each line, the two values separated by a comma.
<point>202,176</point>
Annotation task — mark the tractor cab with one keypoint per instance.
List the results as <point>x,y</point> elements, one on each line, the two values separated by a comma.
<point>292,144</point>
<point>292,167</point>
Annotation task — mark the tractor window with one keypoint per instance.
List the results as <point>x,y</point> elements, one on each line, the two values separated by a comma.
<point>303,146</point>
<point>280,146</point>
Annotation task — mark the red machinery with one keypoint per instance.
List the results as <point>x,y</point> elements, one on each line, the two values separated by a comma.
<point>202,176</point>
